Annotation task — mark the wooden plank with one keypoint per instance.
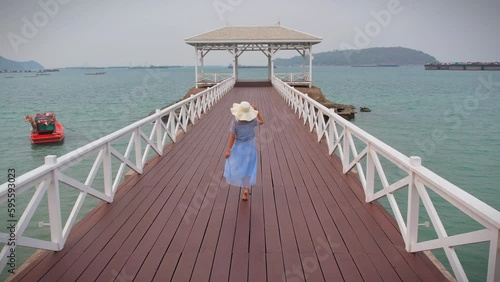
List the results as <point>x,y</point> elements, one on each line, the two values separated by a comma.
<point>312,268</point>
<point>270,178</point>
<point>295,160</point>
<point>114,243</point>
<point>222,259</point>
<point>119,261</point>
<point>195,207</point>
<point>167,267</point>
<point>257,267</point>
<point>185,266</point>
<point>362,260</point>
<point>299,223</point>
<point>193,244</point>
<point>239,267</point>
<point>95,240</point>
<point>383,220</point>
<point>45,263</point>
<point>181,195</point>
<point>347,207</point>
<point>180,221</point>
<point>340,175</point>
<point>242,240</point>
<point>275,268</point>
<point>201,271</point>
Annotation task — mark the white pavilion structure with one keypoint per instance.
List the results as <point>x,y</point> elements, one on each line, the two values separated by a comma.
<point>266,39</point>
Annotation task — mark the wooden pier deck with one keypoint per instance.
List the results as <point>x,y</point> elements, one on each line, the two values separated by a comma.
<point>179,221</point>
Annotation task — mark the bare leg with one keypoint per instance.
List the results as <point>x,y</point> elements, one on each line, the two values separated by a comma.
<point>246,182</point>
<point>244,197</point>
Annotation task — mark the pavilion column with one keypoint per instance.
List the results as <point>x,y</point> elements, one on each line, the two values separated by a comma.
<point>269,64</point>
<point>310,66</point>
<point>236,68</point>
<point>196,67</point>
<point>235,64</point>
<point>304,60</point>
<point>272,62</point>
<point>201,63</point>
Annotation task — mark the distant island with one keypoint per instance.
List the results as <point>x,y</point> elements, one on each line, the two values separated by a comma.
<point>7,65</point>
<point>380,56</point>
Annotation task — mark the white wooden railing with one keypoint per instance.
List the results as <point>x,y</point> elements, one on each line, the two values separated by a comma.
<point>213,77</point>
<point>47,178</point>
<point>293,77</point>
<point>339,135</point>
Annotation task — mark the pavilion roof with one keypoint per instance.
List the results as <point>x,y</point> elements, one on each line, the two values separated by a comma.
<point>253,34</point>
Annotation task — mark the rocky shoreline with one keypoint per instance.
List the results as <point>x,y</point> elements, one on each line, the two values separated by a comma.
<point>346,111</point>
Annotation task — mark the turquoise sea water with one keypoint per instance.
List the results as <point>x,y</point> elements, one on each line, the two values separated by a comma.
<point>449,119</point>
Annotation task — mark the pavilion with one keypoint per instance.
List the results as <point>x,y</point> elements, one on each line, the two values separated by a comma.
<point>267,39</point>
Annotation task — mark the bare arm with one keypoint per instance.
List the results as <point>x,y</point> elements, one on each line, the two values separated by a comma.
<point>232,136</point>
<point>259,116</point>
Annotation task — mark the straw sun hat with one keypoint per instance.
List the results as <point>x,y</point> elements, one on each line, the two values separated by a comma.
<point>244,111</point>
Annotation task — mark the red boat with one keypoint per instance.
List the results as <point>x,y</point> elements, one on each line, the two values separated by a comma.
<point>45,128</point>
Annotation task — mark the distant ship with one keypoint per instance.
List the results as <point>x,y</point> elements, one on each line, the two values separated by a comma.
<point>150,67</point>
<point>95,73</point>
<point>488,66</point>
<point>375,65</point>
<point>230,66</point>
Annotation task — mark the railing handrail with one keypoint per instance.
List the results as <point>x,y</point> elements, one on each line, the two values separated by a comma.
<point>70,156</point>
<point>211,74</point>
<point>293,76</point>
<point>49,176</point>
<point>488,212</point>
<point>418,178</point>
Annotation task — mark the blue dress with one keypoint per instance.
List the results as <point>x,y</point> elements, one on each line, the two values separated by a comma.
<point>241,166</point>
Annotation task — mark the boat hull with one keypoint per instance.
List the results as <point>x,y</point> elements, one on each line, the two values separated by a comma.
<point>55,137</point>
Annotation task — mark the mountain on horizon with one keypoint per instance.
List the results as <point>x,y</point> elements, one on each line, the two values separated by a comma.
<point>6,64</point>
<point>369,56</point>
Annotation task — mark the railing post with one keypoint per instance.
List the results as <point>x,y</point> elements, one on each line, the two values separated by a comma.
<point>192,107</point>
<point>138,149</point>
<point>108,178</point>
<point>158,133</point>
<point>311,114</point>
<point>305,109</point>
<point>370,175</point>
<point>54,203</point>
<point>347,150</point>
<point>413,208</point>
<point>171,126</point>
<point>494,258</point>
<point>331,133</point>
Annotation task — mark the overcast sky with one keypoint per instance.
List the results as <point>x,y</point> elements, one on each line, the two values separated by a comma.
<point>61,33</point>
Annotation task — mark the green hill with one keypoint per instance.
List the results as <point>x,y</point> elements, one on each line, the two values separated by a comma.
<point>370,56</point>
<point>6,64</point>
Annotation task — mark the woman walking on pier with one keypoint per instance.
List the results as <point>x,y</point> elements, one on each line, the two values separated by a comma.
<point>241,156</point>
